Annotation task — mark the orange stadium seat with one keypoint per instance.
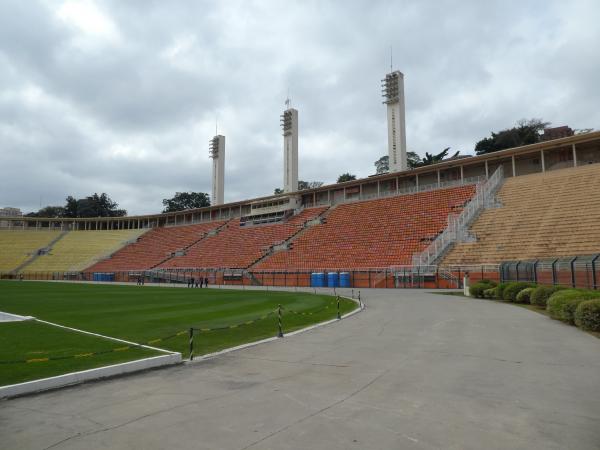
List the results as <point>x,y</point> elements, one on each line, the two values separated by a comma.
<point>236,247</point>
<point>154,247</point>
<point>372,234</point>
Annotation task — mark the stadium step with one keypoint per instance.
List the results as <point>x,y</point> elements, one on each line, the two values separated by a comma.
<point>210,233</point>
<point>288,243</point>
<point>37,253</point>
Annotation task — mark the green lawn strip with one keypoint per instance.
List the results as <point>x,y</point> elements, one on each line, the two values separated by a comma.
<point>34,341</point>
<point>143,314</point>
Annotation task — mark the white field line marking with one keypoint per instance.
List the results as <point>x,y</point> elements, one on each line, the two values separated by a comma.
<point>201,358</point>
<point>107,337</point>
<point>9,317</point>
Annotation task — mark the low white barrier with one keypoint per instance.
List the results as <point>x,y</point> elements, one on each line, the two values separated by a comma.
<point>69,379</point>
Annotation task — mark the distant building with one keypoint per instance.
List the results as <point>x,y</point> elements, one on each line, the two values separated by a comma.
<point>9,212</point>
<point>557,133</point>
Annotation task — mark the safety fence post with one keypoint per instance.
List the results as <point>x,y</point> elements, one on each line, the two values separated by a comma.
<point>280,332</point>
<point>554,272</point>
<point>338,308</point>
<point>573,280</point>
<point>595,286</point>
<point>191,344</point>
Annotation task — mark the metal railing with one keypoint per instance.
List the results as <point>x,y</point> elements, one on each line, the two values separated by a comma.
<point>430,277</point>
<point>575,272</point>
<point>458,226</point>
<point>394,193</point>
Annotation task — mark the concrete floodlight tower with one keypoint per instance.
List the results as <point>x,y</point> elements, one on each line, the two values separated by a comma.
<point>217,153</point>
<point>289,124</point>
<point>393,94</point>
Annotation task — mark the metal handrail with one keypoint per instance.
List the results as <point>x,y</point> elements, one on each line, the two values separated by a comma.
<point>399,192</point>
<point>458,225</point>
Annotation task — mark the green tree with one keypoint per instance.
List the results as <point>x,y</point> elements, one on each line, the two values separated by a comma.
<point>413,159</point>
<point>302,185</point>
<point>430,158</point>
<point>524,133</point>
<point>97,206</point>
<point>382,165</point>
<point>186,200</point>
<point>48,211</point>
<point>71,207</point>
<point>346,177</point>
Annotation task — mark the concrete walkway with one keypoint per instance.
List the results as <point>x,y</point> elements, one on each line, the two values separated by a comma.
<point>413,371</point>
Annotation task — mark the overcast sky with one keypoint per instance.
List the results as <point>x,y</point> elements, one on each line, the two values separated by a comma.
<point>122,96</point>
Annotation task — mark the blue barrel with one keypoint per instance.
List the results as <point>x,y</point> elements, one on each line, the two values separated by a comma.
<point>345,279</point>
<point>317,279</point>
<point>333,279</point>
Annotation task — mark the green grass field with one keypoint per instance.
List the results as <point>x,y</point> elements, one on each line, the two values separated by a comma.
<point>140,314</point>
<point>35,342</point>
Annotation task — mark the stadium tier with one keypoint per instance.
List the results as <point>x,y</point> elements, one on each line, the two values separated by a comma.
<point>154,247</point>
<point>369,234</point>
<point>544,215</point>
<point>237,246</point>
<point>76,250</point>
<point>18,246</point>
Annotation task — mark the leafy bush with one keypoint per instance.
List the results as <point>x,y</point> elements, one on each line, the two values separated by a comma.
<point>568,309</point>
<point>524,295</point>
<point>512,289</point>
<point>492,283</point>
<point>562,304</point>
<point>500,291</point>
<point>587,315</point>
<point>490,293</point>
<point>540,295</point>
<point>476,290</point>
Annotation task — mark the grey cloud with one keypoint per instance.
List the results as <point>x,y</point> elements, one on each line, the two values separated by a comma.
<point>132,116</point>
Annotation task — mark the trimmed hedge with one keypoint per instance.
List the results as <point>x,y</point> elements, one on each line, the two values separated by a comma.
<point>512,289</point>
<point>490,293</point>
<point>500,290</point>
<point>568,310</point>
<point>524,295</point>
<point>562,304</point>
<point>540,295</point>
<point>587,315</point>
<point>477,289</point>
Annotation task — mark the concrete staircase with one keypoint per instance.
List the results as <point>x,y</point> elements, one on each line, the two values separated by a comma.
<point>37,254</point>
<point>181,252</point>
<point>287,244</point>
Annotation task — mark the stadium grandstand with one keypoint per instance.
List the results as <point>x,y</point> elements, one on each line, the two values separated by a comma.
<point>469,214</point>
<point>77,250</point>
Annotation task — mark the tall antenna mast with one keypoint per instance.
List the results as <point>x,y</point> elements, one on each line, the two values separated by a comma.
<point>391,59</point>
